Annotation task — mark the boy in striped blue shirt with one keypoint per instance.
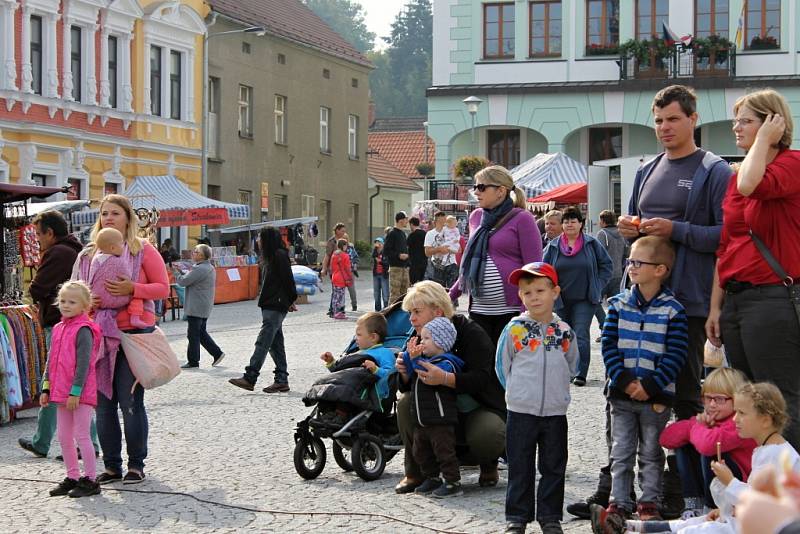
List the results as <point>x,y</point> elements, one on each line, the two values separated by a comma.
<point>645,339</point>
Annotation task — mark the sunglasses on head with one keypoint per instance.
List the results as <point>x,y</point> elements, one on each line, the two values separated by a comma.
<point>482,187</point>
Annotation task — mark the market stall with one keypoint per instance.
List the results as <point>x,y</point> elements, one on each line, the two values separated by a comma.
<point>565,195</point>
<point>237,275</point>
<point>545,172</point>
<point>21,335</point>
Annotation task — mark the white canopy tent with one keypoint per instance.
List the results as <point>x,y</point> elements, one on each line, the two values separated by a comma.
<point>545,172</point>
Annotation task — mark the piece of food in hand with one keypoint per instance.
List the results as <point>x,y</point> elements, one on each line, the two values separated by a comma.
<point>719,451</point>
<point>636,221</point>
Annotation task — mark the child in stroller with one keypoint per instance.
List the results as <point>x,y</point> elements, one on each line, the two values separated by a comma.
<point>355,403</point>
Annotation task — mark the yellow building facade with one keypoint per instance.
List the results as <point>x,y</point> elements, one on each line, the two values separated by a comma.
<point>93,94</point>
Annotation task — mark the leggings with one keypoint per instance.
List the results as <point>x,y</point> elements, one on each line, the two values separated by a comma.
<point>337,299</point>
<point>73,426</point>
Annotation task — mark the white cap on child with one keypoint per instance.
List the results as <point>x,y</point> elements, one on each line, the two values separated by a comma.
<point>443,333</point>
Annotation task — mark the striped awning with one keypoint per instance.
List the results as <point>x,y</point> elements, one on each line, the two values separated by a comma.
<point>545,172</point>
<point>165,193</point>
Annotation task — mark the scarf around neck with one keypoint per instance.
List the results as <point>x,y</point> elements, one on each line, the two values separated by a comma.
<point>473,263</point>
<point>566,250</point>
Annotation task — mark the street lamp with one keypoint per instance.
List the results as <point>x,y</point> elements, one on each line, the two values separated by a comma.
<point>259,31</point>
<point>425,190</point>
<point>472,103</point>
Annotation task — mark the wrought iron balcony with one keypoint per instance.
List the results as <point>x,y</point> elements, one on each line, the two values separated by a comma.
<point>679,62</point>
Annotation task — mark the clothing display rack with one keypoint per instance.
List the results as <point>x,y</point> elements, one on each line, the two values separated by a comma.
<point>23,352</point>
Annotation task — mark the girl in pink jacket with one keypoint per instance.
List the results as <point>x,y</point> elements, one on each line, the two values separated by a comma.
<point>341,277</point>
<point>711,432</point>
<point>69,380</point>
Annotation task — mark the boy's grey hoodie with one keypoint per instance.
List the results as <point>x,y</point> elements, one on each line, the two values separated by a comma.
<point>534,363</point>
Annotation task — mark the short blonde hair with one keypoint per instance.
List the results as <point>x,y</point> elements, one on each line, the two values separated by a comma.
<point>661,249</point>
<point>80,288</point>
<point>429,294</point>
<point>499,175</point>
<point>725,380</point>
<point>553,213</point>
<point>131,237</point>
<point>769,102</point>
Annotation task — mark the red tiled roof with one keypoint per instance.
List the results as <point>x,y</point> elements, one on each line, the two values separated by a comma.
<point>292,20</point>
<point>404,150</point>
<point>387,175</point>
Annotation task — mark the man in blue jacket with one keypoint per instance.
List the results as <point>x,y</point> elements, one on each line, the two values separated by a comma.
<point>678,195</point>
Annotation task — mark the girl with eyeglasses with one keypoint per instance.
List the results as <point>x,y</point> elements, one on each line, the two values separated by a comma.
<point>503,236</point>
<point>703,432</point>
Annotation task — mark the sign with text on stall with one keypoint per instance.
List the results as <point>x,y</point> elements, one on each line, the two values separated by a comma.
<point>264,196</point>
<point>192,217</point>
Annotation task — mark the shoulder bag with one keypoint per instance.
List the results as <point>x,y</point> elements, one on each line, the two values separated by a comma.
<point>788,281</point>
<point>150,357</point>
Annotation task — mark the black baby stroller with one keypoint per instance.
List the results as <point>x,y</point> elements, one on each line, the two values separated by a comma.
<point>369,431</point>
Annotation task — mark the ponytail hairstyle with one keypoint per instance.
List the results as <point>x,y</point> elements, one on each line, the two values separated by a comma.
<point>767,400</point>
<point>499,175</point>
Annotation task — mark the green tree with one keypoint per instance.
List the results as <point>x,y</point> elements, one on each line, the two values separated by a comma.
<point>347,19</point>
<point>403,71</point>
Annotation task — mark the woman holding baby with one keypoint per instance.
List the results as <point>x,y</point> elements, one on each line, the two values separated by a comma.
<point>136,272</point>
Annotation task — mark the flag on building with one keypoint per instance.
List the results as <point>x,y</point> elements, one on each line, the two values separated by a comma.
<point>671,38</point>
<point>740,27</point>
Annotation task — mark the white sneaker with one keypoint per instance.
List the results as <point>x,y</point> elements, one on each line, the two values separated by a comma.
<point>218,361</point>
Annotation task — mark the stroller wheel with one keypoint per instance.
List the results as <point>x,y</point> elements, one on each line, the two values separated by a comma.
<point>340,455</point>
<point>309,457</point>
<point>368,457</point>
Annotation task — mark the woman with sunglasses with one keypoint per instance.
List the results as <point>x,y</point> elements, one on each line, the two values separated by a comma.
<point>503,236</point>
<point>584,268</point>
<point>750,307</point>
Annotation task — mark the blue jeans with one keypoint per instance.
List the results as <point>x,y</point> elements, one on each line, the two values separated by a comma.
<point>635,429</point>
<point>134,417</point>
<point>524,435</point>
<point>696,474</point>
<point>270,339</point>
<point>198,335</point>
<point>579,314</point>
<point>380,290</point>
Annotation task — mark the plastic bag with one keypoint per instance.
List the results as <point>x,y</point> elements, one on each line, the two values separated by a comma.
<point>714,356</point>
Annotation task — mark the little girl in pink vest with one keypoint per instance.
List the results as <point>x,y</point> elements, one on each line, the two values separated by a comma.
<point>69,380</point>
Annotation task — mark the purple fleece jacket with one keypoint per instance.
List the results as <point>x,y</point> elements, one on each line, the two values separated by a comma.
<point>517,243</point>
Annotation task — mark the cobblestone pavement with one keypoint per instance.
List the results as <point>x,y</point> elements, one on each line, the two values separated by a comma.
<point>215,442</point>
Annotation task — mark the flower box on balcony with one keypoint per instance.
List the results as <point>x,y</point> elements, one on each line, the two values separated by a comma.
<point>763,43</point>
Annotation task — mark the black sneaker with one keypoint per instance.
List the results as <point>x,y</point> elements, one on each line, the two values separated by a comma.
<point>27,444</point>
<point>582,509</point>
<point>218,360</point>
<point>64,488</point>
<point>448,489</point>
<point>85,488</point>
<point>429,486</point>
<point>241,383</point>
<point>60,457</point>
<point>551,527</point>
<point>107,478</point>
<point>190,366</point>
<point>579,381</point>
<point>515,528</point>
<point>132,477</point>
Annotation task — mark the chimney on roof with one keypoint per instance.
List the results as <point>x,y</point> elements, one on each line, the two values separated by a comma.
<point>371,116</point>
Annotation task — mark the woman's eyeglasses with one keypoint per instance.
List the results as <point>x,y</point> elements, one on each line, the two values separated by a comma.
<point>482,187</point>
<point>636,264</point>
<point>716,399</point>
<point>743,122</point>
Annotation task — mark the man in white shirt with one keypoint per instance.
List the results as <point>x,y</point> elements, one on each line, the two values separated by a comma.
<point>442,266</point>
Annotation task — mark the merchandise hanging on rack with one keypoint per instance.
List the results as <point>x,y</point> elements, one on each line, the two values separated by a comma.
<point>22,358</point>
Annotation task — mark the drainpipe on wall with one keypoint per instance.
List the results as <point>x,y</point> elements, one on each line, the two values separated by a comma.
<point>377,192</point>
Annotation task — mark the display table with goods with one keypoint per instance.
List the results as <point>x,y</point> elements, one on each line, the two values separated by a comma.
<point>237,275</point>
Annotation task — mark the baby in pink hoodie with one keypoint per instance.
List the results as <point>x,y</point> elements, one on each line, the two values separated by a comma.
<point>111,262</point>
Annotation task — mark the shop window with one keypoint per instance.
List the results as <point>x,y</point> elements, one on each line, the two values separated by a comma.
<point>498,31</point>
<point>711,18</point>
<point>602,27</point>
<point>545,28</point>
<point>504,147</point>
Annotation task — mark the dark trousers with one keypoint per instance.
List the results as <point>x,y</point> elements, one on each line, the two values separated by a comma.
<point>134,417</point>
<point>696,474</point>
<point>435,452</point>
<point>270,339</point>
<point>527,435</point>
<point>416,273</point>
<point>687,384</point>
<point>762,339</point>
<point>492,324</point>
<point>197,335</point>
<point>578,314</point>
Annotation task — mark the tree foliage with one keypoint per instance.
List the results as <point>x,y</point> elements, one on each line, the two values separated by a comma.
<point>346,17</point>
<point>403,71</point>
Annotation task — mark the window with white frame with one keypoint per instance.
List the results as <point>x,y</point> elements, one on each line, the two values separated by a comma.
<point>76,61</point>
<point>352,136</point>
<point>36,46</point>
<point>175,84</point>
<point>388,213</point>
<point>280,119</point>
<point>278,206</point>
<point>324,130</point>
<point>155,80</point>
<point>245,111</point>
<point>113,76</point>
<point>307,206</point>
<point>246,197</point>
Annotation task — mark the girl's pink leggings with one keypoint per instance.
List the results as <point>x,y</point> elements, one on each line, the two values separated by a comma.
<point>73,426</point>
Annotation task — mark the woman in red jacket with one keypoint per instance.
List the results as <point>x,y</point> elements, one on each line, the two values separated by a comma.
<point>750,307</point>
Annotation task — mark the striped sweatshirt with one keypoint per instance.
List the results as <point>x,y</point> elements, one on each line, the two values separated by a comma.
<point>647,341</point>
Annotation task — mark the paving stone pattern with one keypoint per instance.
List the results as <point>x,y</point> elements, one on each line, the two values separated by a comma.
<point>213,441</point>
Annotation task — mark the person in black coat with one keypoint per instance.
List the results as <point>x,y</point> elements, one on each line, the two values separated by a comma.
<point>416,251</point>
<point>276,299</point>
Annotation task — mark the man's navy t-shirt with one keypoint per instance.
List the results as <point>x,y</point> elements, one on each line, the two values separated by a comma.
<point>665,192</point>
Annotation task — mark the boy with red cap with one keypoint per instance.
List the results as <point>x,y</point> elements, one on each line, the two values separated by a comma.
<point>536,357</point>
